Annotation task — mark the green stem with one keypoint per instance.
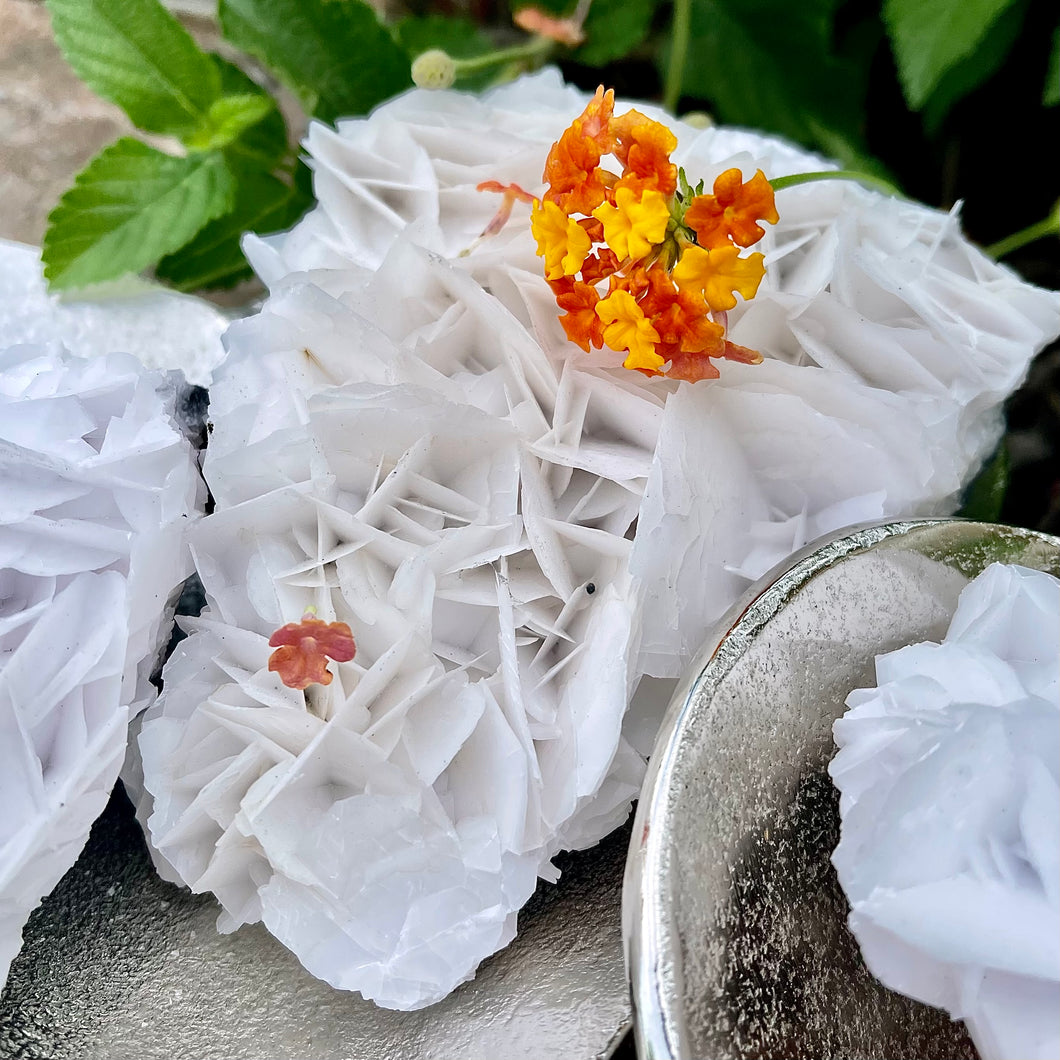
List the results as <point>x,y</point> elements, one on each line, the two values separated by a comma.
<point>779,183</point>
<point>675,71</point>
<point>1049,227</point>
<point>536,47</point>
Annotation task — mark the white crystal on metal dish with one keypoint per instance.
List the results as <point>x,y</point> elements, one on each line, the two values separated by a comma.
<point>950,852</point>
<point>96,486</point>
<point>889,343</point>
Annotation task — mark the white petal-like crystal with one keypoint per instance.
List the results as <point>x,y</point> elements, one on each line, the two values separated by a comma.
<point>96,485</point>
<point>950,848</point>
<point>160,329</point>
<point>624,516</point>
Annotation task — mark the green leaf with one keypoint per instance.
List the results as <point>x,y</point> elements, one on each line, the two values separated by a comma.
<point>228,119</point>
<point>770,66</point>
<point>130,206</point>
<point>136,54</point>
<point>986,494</point>
<point>613,28</point>
<point>264,144</point>
<point>214,258</point>
<point>334,54</point>
<point>1051,94</point>
<point>930,38</point>
<point>460,37</point>
<point>968,73</point>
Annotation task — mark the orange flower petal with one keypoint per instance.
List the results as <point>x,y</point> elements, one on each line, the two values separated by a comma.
<point>580,322</point>
<point>691,367</point>
<point>733,211</point>
<point>718,274</point>
<point>302,648</point>
<point>643,147</point>
<point>571,170</point>
<point>627,328</point>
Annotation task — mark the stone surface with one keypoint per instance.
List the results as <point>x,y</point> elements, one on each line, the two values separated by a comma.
<point>50,123</point>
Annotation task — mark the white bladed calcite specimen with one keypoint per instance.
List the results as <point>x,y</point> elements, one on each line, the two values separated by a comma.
<point>950,851</point>
<point>97,486</point>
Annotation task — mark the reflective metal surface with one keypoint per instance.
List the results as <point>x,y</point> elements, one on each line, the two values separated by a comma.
<point>735,925</point>
<point>119,965</point>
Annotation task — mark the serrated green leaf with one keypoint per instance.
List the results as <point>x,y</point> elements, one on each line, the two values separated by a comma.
<point>137,55</point>
<point>263,144</point>
<point>1051,93</point>
<point>613,28</point>
<point>770,66</point>
<point>930,39</point>
<point>213,259</point>
<point>985,496</point>
<point>228,118</point>
<point>129,207</point>
<point>334,54</point>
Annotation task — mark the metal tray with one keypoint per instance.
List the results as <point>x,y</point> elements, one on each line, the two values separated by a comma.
<point>734,922</point>
<point>119,965</point>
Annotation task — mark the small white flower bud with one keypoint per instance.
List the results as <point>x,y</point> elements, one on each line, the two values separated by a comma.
<point>434,69</point>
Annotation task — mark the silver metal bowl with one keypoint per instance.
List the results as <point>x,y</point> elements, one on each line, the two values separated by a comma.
<point>734,923</point>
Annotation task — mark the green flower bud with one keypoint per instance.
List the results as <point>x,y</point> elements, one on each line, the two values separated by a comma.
<point>434,69</point>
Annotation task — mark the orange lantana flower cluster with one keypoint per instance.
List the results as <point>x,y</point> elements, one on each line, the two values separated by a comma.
<point>640,261</point>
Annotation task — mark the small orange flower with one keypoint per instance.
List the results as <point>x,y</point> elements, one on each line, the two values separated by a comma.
<point>302,648</point>
<point>643,147</point>
<point>627,328</point>
<point>580,322</point>
<point>733,211</point>
<point>572,170</point>
<point>636,223</point>
<point>561,241</point>
<point>717,274</point>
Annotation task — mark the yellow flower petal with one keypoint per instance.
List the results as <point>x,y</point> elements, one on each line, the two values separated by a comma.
<point>717,274</point>
<point>561,241</point>
<point>627,328</point>
<point>635,223</point>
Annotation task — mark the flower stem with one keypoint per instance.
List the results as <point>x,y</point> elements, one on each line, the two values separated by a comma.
<point>1049,227</point>
<point>779,183</point>
<point>537,47</point>
<point>675,70</point>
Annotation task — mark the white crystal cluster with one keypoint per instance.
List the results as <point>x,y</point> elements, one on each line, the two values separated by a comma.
<point>516,531</point>
<point>97,484</point>
<point>950,851</point>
